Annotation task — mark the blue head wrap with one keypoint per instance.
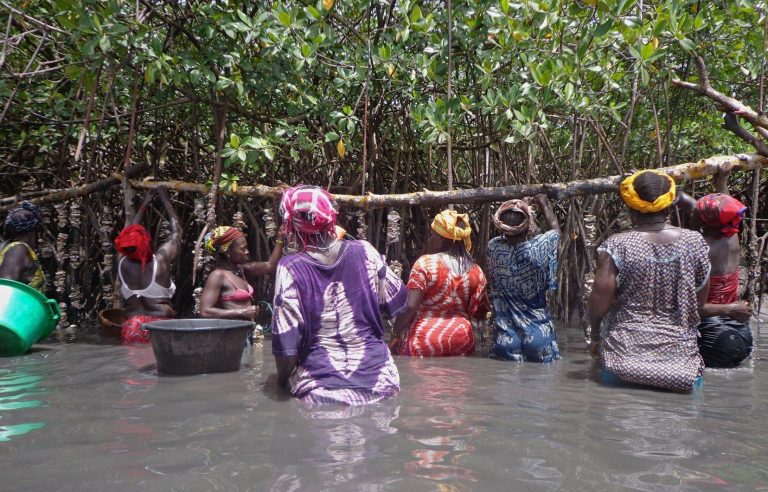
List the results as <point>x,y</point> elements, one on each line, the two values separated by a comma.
<point>24,218</point>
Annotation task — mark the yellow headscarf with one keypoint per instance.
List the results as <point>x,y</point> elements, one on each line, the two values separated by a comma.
<point>633,201</point>
<point>446,224</point>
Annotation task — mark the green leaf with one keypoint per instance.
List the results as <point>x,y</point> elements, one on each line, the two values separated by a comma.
<point>415,14</point>
<point>603,28</point>
<point>269,153</point>
<point>331,136</point>
<point>505,6</point>
<point>246,20</point>
<point>105,44</point>
<point>149,75</point>
<point>284,17</point>
<point>313,12</point>
<point>687,45</point>
<point>234,141</point>
<point>118,29</point>
<point>644,77</point>
<point>646,51</point>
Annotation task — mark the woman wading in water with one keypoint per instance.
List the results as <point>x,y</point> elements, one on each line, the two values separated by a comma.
<point>145,277</point>
<point>18,260</point>
<point>521,271</point>
<point>650,285</point>
<point>228,293</point>
<point>327,328</point>
<point>445,290</point>
<point>725,338</point>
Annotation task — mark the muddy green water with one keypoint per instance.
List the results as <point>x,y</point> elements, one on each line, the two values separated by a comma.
<point>86,416</point>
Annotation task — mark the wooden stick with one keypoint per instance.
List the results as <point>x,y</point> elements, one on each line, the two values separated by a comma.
<point>681,172</point>
<point>77,191</point>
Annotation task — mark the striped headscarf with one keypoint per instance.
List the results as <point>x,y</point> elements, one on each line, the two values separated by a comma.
<point>221,238</point>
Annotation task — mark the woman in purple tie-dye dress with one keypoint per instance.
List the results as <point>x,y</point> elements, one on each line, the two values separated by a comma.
<point>327,327</point>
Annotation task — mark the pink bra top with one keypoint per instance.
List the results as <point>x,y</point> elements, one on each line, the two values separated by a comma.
<point>239,295</point>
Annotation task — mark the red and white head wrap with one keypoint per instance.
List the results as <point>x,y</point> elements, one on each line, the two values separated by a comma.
<point>721,212</point>
<point>308,210</point>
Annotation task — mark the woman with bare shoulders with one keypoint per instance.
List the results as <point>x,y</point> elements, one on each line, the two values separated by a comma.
<point>725,337</point>
<point>228,292</point>
<point>145,276</point>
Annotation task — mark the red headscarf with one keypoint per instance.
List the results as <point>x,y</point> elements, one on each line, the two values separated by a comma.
<point>136,238</point>
<point>721,212</point>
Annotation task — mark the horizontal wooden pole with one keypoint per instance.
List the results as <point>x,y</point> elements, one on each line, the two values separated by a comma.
<point>83,190</point>
<point>681,172</point>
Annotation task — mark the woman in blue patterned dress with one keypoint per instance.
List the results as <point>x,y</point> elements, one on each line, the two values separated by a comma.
<point>520,271</point>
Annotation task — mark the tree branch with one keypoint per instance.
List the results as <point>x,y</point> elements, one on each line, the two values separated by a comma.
<point>733,105</point>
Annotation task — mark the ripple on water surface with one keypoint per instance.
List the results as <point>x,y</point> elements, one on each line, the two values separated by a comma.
<point>88,416</point>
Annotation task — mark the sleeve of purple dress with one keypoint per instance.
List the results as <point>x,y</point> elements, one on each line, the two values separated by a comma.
<point>391,291</point>
<point>287,320</point>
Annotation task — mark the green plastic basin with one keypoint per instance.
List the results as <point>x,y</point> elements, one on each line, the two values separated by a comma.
<point>26,316</point>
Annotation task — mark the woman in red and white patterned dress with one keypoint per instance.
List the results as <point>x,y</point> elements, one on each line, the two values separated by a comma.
<point>445,289</point>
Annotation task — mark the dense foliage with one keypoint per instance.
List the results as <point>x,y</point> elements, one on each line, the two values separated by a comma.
<point>354,95</point>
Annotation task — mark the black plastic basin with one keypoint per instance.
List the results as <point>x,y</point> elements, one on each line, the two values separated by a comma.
<point>198,346</point>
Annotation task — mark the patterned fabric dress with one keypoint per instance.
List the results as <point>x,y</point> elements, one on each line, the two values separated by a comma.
<point>442,326</point>
<point>329,316</point>
<point>38,278</point>
<point>520,275</point>
<point>649,336</point>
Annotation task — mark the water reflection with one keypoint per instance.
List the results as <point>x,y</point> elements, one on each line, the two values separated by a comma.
<point>347,440</point>
<point>18,394</point>
<point>443,438</point>
<point>128,434</point>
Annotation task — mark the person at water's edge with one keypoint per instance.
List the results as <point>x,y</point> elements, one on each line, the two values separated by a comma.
<point>145,277</point>
<point>18,260</point>
<point>228,292</point>
<point>725,338</point>
<point>650,285</point>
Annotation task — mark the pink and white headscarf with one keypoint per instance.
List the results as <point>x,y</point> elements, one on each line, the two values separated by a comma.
<point>308,210</point>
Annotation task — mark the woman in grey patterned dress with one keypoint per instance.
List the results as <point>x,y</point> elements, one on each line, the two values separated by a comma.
<point>650,284</point>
